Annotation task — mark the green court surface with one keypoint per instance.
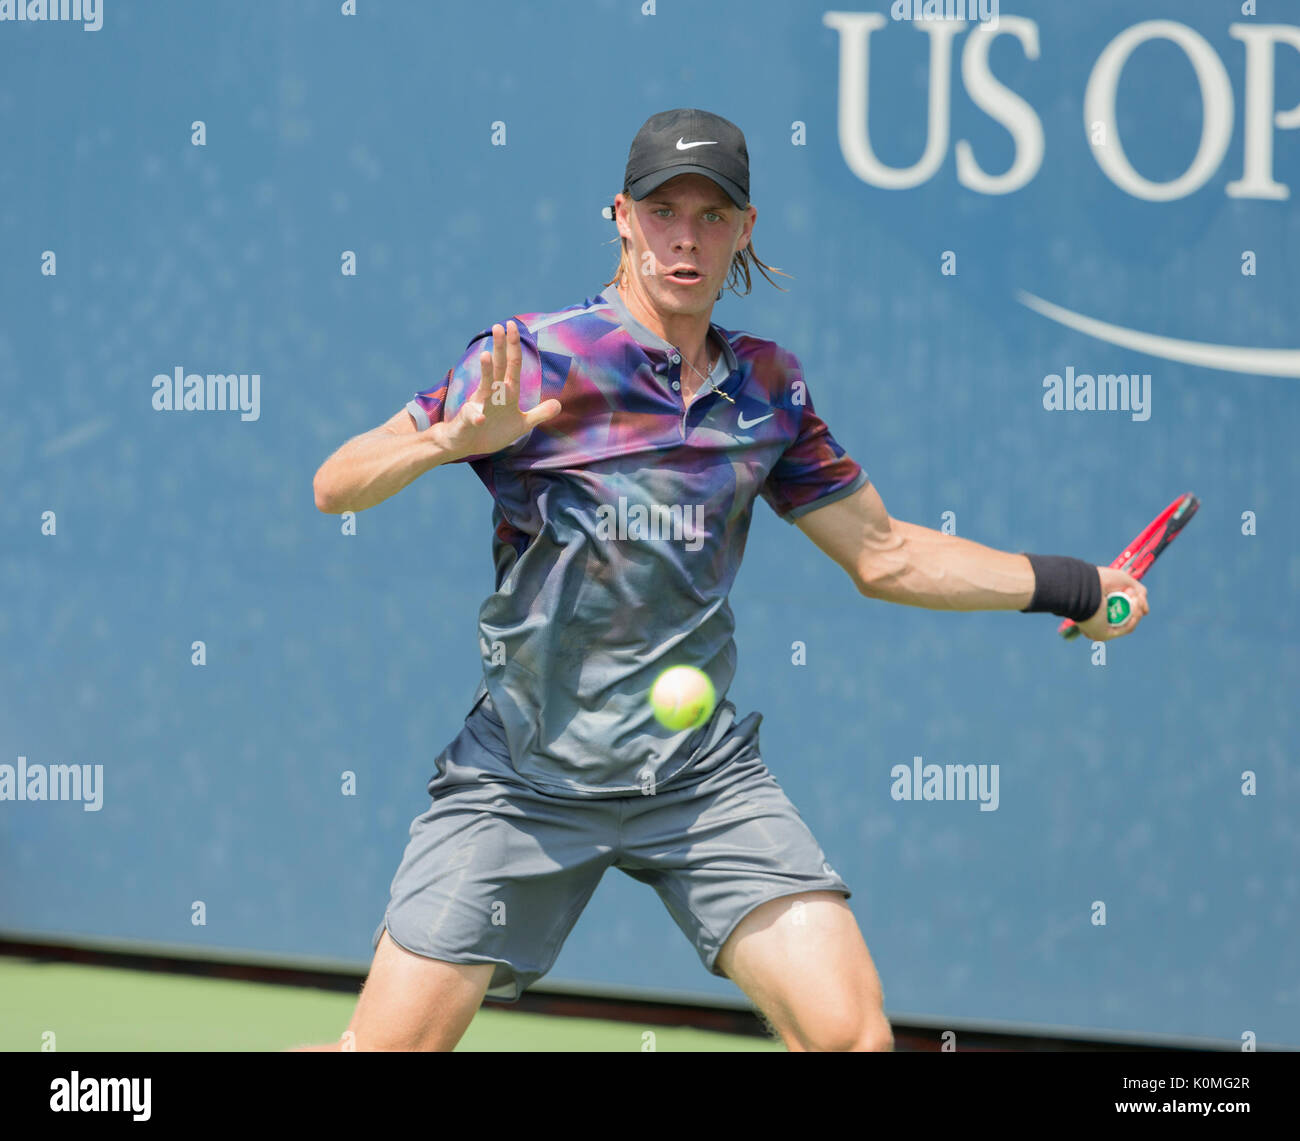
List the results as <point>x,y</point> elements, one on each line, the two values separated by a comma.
<point>104,1008</point>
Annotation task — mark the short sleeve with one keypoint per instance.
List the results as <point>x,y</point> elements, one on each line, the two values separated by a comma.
<point>814,470</point>
<point>443,401</point>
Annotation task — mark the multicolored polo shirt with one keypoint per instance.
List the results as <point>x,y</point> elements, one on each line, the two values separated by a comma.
<point>619,527</point>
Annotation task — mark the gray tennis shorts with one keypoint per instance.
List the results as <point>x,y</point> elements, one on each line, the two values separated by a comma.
<point>498,872</point>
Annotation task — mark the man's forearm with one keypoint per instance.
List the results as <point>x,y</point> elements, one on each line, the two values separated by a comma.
<point>923,567</point>
<point>376,465</point>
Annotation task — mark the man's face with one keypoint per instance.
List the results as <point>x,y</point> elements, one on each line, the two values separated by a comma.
<point>687,224</point>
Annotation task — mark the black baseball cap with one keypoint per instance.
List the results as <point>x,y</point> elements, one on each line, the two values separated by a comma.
<point>688,141</point>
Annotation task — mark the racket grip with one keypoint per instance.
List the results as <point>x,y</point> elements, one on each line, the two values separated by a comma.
<point>1118,607</point>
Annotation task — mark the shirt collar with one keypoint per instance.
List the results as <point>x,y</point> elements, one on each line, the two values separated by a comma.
<point>727,363</point>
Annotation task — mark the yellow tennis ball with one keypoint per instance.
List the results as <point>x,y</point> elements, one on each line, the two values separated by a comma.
<point>682,697</point>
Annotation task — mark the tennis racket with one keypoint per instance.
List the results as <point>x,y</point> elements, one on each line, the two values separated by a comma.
<point>1137,557</point>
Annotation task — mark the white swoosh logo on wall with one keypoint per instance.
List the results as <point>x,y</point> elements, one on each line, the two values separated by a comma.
<point>1229,358</point>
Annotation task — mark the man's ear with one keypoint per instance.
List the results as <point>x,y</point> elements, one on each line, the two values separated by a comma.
<point>620,216</point>
<point>751,217</point>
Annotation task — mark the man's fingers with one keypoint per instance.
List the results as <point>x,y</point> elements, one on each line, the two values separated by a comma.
<point>496,401</point>
<point>498,353</point>
<point>506,355</point>
<point>543,412</point>
<point>514,360</point>
<point>1137,595</point>
<point>484,389</point>
<point>1136,591</point>
<point>499,386</point>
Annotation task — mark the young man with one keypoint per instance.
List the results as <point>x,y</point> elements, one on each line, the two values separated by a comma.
<point>624,441</point>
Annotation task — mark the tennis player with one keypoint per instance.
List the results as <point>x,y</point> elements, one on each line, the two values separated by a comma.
<point>624,441</point>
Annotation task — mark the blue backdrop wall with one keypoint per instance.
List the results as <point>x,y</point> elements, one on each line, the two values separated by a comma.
<point>963,216</point>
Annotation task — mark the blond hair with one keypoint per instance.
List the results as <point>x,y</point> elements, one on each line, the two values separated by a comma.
<point>740,264</point>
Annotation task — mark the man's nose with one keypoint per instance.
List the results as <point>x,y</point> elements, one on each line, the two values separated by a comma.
<point>685,238</point>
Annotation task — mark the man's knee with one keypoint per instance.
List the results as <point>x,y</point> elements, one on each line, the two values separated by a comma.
<point>879,1037</point>
<point>839,1034</point>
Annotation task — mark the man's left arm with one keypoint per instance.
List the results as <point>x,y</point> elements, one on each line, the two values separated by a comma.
<point>895,561</point>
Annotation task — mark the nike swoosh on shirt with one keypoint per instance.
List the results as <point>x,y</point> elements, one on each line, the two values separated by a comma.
<point>750,423</point>
<point>683,145</point>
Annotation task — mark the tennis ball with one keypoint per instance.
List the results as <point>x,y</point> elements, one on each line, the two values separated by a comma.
<point>682,697</point>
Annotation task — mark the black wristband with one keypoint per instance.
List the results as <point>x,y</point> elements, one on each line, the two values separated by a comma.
<point>1069,588</point>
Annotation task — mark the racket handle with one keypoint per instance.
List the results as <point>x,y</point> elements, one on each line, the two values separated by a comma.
<point>1118,607</point>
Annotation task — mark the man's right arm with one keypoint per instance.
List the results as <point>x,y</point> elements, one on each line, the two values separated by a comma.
<point>376,465</point>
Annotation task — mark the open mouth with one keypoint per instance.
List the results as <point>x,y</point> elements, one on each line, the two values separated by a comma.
<point>686,275</point>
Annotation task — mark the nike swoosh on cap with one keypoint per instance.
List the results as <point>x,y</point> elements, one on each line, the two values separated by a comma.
<point>750,423</point>
<point>683,145</point>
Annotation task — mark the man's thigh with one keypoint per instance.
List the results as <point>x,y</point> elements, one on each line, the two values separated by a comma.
<point>803,962</point>
<point>410,1002</point>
